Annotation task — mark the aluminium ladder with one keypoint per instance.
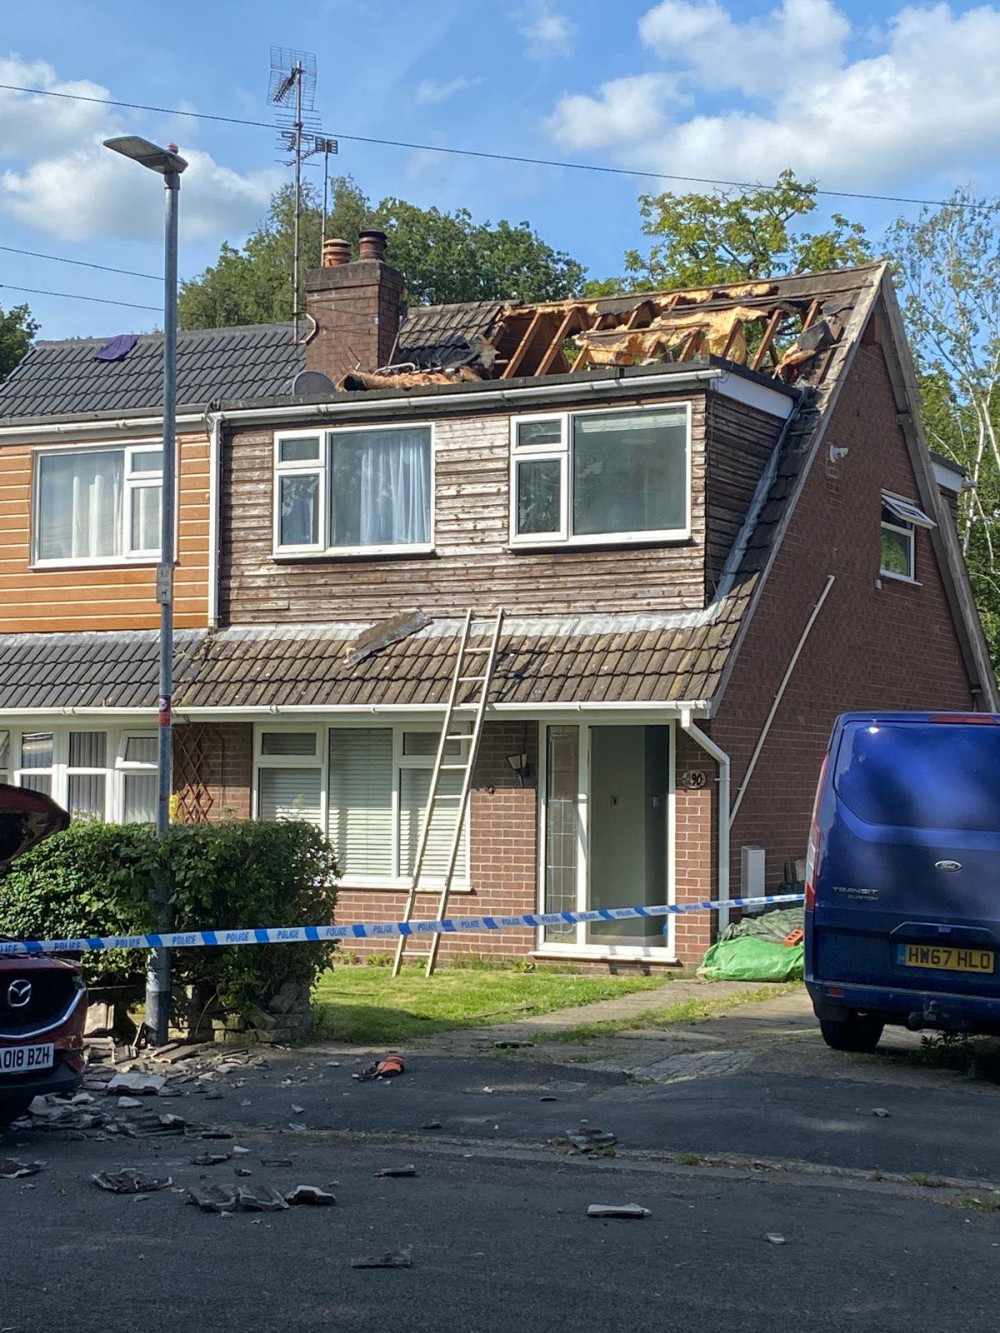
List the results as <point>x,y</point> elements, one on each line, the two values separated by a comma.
<point>465,673</point>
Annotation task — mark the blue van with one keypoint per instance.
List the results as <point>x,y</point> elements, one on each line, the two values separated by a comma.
<point>903,877</point>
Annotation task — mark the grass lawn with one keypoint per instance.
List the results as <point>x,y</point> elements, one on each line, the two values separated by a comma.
<point>365,1004</point>
<point>686,1011</point>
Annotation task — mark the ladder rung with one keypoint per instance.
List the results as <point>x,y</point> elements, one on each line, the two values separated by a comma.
<point>468,678</point>
<point>459,736</point>
<point>448,795</point>
<point>454,768</point>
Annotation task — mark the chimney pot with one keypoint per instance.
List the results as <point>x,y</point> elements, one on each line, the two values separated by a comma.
<point>335,253</point>
<point>372,245</point>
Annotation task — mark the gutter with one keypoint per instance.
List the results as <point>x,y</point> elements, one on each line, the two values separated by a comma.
<point>95,428</point>
<point>723,761</point>
<point>237,712</point>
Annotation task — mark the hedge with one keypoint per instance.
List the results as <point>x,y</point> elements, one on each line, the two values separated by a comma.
<point>94,879</point>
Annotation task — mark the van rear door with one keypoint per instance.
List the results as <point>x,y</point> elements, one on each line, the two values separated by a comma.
<point>908,880</point>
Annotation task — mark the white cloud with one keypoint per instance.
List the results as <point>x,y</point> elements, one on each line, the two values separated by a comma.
<point>626,110</point>
<point>62,181</point>
<point>547,32</point>
<point>429,92</point>
<point>782,91</point>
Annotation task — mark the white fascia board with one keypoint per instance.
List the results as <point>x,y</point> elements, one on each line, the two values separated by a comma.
<point>102,428</point>
<point>947,477</point>
<point>754,394</point>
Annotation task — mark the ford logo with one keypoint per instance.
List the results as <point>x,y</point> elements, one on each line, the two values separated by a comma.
<point>949,866</point>
<point>18,993</point>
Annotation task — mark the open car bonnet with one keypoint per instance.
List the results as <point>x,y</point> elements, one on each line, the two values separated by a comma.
<point>26,817</point>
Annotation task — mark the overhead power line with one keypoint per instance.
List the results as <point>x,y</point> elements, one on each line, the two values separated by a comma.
<point>82,263</point>
<point>75,296</point>
<point>483,154</point>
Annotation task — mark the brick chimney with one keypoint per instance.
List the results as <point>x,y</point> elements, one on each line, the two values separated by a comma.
<point>356,307</point>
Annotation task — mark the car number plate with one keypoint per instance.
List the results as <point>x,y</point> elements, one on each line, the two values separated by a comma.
<point>949,958</point>
<point>26,1059</point>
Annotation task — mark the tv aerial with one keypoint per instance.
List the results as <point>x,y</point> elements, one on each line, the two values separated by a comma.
<point>292,91</point>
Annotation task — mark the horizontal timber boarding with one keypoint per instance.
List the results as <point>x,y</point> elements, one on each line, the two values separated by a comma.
<point>472,564</point>
<point>100,597</point>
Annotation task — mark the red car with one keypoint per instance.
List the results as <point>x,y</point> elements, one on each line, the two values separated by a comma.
<point>43,1001</point>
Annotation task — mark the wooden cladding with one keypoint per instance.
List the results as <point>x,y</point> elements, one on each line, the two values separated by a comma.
<point>740,442</point>
<point>100,597</point>
<point>472,563</point>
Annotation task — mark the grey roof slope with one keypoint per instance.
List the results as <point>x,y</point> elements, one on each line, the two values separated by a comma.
<point>106,670</point>
<point>431,335</point>
<point>64,379</point>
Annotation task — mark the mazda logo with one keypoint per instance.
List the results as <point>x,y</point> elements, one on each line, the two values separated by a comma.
<point>18,993</point>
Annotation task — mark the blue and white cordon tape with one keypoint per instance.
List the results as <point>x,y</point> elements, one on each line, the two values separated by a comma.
<point>194,939</point>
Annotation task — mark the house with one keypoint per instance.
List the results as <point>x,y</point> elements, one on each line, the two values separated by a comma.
<point>710,517</point>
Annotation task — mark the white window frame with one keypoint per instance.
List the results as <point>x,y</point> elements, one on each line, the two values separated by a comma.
<point>579,947</point>
<point>563,451</point>
<point>461,882</point>
<point>124,768</point>
<point>321,469</point>
<point>115,770</point>
<point>7,770</point>
<point>130,555</point>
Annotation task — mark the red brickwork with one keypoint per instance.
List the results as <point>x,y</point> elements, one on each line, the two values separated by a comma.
<point>893,646</point>
<point>695,808</point>
<point>357,308</point>
<point>213,770</point>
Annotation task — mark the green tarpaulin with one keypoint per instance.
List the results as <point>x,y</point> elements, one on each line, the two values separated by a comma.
<point>751,949</point>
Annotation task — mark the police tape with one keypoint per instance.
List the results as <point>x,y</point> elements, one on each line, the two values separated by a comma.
<point>195,939</point>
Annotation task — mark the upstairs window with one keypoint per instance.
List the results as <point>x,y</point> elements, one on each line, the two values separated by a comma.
<point>344,492</point>
<point>98,505</point>
<point>900,520</point>
<point>592,478</point>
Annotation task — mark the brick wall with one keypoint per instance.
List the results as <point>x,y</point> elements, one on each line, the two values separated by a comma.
<point>695,813</point>
<point>213,770</point>
<point>893,646</point>
<point>356,308</point>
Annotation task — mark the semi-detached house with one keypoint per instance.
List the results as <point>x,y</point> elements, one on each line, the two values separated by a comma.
<point>710,518</point>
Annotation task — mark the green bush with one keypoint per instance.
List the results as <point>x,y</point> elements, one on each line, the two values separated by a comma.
<point>94,879</point>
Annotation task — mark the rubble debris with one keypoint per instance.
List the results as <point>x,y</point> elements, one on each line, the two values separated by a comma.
<point>432,1124</point>
<point>383,634</point>
<point>627,1210</point>
<point>276,1161</point>
<point>589,1137</point>
<point>548,1098</point>
<point>775,1238</point>
<point>881,1112</point>
<point>387,1260</point>
<point>11,1169</point>
<point>311,1195</point>
<point>211,1159</point>
<point>242,1171</point>
<point>261,1199</point>
<point>214,1198</point>
<point>128,1103</point>
<point>390,1067</point>
<point>393,1171</point>
<point>130,1181</point>
<point>138,1084</point>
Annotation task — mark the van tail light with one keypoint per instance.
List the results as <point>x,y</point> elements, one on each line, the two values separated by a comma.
<point>966,719</point>
<point>814,849</point>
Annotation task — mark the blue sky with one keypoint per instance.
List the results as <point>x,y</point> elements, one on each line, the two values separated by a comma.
<point>896,99</point>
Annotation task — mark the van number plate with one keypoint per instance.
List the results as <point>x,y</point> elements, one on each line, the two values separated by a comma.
<point>948,959</point>
<point>23,1059</point>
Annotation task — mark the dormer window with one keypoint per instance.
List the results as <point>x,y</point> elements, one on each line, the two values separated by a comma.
<point>597,478</point>
<point>97,506</point>
<point>364,491</point>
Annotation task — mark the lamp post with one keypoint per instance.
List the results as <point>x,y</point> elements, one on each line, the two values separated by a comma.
<point>167,163</point>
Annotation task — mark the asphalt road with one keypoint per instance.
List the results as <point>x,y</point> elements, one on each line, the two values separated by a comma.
<point>496,1241</point>
<point>930,1129</point>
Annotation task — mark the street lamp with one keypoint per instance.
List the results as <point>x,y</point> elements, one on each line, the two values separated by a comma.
<point>169,164</point>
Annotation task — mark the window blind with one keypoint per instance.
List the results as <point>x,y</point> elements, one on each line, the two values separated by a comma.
<point>414,785</point>
<point>360,809</point>
<point>289,793</point>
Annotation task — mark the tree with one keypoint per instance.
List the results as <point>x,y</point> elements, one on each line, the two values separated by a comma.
<point>17,328</point>
<point>444,257</point>
<point>947,264</point>
<point>729,236</point>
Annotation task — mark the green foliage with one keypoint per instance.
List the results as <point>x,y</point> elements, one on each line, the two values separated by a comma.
<point>730,236</point>
<point>17,328</point>
<point>94,879</point>
<point>947,264</point>
<point>444,257</point>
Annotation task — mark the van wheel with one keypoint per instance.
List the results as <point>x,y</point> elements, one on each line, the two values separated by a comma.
<point>13,1110</point>
<point>853,1033</point>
